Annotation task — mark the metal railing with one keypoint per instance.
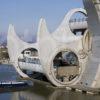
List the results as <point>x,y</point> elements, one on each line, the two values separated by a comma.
<point>78,20</point>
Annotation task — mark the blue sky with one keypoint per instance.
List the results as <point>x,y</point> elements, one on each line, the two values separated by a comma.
<point>25,14</point>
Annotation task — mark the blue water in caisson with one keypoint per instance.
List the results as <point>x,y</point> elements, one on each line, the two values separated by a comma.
<point>39,91</point>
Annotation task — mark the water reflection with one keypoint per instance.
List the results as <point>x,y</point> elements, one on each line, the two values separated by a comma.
<point>39,91</point>
<point>54,95</point>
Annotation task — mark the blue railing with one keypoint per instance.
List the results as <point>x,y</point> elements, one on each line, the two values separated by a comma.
<point>78,20</point>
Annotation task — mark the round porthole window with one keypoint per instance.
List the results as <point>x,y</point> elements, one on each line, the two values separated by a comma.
<point>66,66</point>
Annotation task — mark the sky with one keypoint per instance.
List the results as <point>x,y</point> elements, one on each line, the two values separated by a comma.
<point>25,14</point>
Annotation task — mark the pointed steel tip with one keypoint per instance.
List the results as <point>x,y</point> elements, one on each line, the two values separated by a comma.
<point>10,26</point>
<point>42,24</point>
<point>11,29</point>
<point>42,21</point>
<point>42,29</point>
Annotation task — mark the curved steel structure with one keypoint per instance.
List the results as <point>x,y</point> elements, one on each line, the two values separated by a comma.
<point>63,40</point>
<point>93,65</point>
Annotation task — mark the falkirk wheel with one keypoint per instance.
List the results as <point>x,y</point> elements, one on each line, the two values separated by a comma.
<point>65,59</point>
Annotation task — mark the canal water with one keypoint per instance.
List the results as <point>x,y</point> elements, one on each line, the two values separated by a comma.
<point>39,91</point>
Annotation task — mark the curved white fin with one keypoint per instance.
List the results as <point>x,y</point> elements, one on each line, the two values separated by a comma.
<point>64,31</point>
<point>42,30</point>
<point>15,47</point>
<point>15,44</point>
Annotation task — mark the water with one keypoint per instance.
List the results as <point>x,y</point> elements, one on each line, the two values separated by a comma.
<point>40,91</point>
